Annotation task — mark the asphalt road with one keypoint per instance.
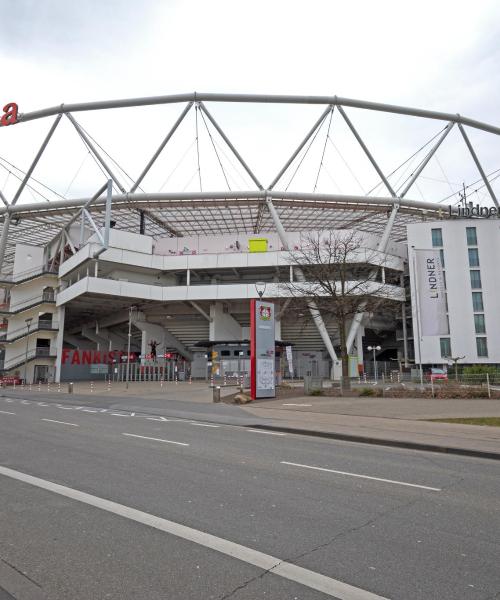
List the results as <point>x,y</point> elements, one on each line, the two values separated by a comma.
<point>98,503</point>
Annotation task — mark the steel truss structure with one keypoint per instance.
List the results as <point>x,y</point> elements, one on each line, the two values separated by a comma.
<point>265,208</point>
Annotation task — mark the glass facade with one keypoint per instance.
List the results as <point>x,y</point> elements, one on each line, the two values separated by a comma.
<point>475,279</point>
<point>482,346</point>
<point>437,237</point>
<point>445,344</point>
<point>479,324</point>
<point>473,257</point>
<point>471,236</point>
<point>477,301</point>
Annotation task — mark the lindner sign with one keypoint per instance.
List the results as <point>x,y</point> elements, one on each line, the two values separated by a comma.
<point>262,349</point>
<point>471,211</point>
<point>431,301</point>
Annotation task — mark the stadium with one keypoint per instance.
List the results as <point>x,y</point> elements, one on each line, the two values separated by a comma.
<point>113,273</point>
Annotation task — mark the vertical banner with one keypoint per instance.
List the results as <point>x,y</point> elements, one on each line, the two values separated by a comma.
<point>262,350</point>
<point>430,293</point>
<point>289,357</point>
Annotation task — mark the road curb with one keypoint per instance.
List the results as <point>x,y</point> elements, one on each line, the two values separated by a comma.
<point>382,442</point>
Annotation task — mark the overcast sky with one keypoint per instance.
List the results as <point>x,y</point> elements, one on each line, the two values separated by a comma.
<point>432,54</point>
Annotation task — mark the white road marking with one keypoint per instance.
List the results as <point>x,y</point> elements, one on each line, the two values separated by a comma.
<point>291,404</point>
<point>423,487</point>
<point>155,439</point>
<point>61,422</point>
<point>88,410</point>
<point>8,400</point>
<point>6,412</point>
<point>266,432</point>
<point>204,425</point>
<point>316,581</point>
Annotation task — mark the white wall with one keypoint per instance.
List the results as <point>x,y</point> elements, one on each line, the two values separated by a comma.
<point>27,258</point>
<point>459,291</point>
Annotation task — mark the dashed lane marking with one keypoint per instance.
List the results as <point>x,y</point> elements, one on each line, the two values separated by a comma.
<point>155,439</point>
<point>423,487</point>
<point>6,412</point>
<point>60,422</point>
<point>204,425</point>
<point>266,432</point>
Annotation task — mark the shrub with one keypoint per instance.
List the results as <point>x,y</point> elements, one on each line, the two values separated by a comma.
<point>316,393</point>
<point>367,392</point>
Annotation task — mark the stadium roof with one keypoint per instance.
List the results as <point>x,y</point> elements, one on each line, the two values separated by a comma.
<point>219,212</point>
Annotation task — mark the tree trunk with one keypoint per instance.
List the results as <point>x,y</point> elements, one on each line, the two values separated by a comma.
<point>346,380</point>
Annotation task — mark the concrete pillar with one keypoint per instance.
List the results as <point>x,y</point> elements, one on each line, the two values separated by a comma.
<point>222,325</point>
<point>59,341</point>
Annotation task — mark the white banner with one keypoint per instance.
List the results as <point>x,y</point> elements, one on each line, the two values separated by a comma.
<point>289,357</point>
<point>431,293</point>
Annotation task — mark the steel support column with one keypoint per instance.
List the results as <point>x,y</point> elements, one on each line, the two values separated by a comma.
<point>381,247</point>
<point>160,147</point>
<point>229,143</point>
<point>300,146</point>
<point>3,239</point>
<point>313,309</point>
<point>478,165</point>
<point>431,153</point>
<point>367,152</point>
<point>95,152</point>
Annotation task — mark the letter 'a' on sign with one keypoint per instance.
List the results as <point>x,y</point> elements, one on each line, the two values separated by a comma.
<point>262,350</point>
<point>9,116</point>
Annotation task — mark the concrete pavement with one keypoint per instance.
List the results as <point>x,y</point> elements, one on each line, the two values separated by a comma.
<point>387,522</point>
<point>399,422</point>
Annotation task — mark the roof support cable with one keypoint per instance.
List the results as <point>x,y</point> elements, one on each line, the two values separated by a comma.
<point>197,108</point>
<point>324,149</point>
<point>311,142</point>
<point>409,158</point>
<point>215,150</point>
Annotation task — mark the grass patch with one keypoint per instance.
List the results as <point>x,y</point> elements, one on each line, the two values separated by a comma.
<point>491,421</point>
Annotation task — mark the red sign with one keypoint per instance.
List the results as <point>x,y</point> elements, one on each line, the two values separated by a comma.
<point>10,112</point>
<point>93,357</point>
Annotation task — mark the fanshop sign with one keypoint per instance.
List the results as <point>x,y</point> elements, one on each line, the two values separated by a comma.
<point>94,357</point>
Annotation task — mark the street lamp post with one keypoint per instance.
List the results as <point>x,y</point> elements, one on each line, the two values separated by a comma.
<point>374,349</point>
<point>28,324</point>
<point>260,287</point>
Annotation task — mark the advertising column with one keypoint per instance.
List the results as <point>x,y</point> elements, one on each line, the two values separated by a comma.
<point>262,350</point>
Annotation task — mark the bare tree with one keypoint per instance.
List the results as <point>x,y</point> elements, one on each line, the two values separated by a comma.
<point>336,274</point>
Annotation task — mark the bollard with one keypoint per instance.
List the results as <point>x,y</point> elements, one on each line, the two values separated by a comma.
<point>39,386</point>
<point>91,387</point>
<point>14,385</point>
<point>225,379</point>
<point>70,388</point>
<point>190,379</point>
<point>59,387</point>
<point>216,393</point>
<point>30,387</point>
<point>48,386</point>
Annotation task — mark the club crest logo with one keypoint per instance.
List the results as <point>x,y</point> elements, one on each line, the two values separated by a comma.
<point>265,313</point>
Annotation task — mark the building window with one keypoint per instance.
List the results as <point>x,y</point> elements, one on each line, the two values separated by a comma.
<point>473,257</point>
<point>445,344</point>
<point>475,279</point>
<point>441,256</point>
<point>471,236</point>
<point>479,324</point>
<point>437,237</point>
<point>482,346</point>
<point>477,301</point>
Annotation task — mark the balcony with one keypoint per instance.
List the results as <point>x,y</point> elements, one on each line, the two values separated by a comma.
<point>46,296</point>
<point>40,325</point>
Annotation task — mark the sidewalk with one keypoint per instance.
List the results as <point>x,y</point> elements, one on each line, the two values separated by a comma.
<point>396,422</point>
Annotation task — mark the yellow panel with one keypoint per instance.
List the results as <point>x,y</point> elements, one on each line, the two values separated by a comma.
<point>257,245</point>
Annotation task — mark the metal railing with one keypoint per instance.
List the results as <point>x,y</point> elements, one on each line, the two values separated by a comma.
<point>28,274</point>
<point>47,296</point>
<point>41,324</point>
<point>22,358</point>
